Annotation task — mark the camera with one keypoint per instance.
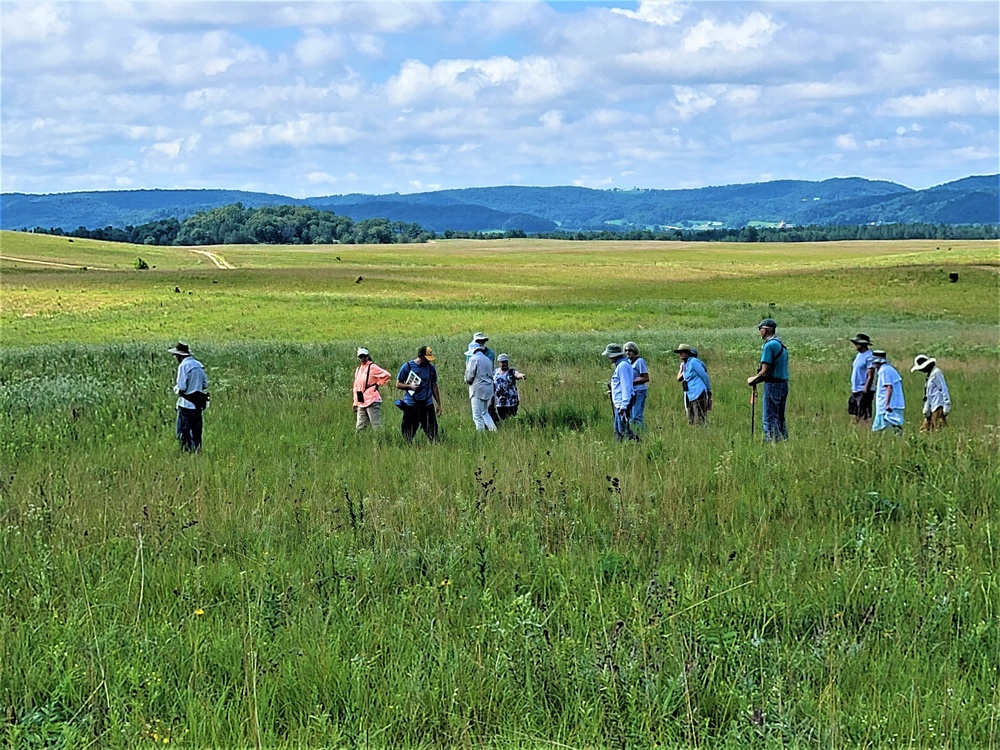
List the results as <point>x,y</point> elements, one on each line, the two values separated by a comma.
<point>361,396</point>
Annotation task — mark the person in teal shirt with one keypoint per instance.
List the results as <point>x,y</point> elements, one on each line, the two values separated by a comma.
<point>773,373</point>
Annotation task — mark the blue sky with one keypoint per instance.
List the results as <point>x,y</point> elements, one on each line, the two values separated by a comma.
<point>307,99</point>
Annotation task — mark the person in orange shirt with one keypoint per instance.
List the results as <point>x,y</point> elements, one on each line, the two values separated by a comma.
<point>367,400</point>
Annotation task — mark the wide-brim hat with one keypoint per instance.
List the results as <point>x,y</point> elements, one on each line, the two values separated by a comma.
<point>861,338</point>
<point>180,348</point>
<point>685,348</point>
<point>613,350</point>
<point>921,361</point>
<point>480,336</point>
<point>474,348</point>
<point>879,357</point>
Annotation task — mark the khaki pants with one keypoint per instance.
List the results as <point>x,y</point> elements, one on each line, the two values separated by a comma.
<point>934,421</point>
<point>369,415</point>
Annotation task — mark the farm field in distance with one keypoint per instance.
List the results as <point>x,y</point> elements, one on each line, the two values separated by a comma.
<point>298,585</point>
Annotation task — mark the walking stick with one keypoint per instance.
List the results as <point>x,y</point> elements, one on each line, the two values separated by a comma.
<point>753,409</point>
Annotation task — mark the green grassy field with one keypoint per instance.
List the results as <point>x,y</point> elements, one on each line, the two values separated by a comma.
<point>297,585</point>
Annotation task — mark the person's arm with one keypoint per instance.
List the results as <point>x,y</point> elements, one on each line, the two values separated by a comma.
<point>518,375</point>
<point>680,373</point>
<point>437,398</point>
<point>644,378</point>
<point>470,370</point>
<point>888,396</point>
<point>401,383</point>
<point>765,368</point>
<point>378,376</point>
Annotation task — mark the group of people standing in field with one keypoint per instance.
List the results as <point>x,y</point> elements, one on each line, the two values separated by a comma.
<point>876,389</point>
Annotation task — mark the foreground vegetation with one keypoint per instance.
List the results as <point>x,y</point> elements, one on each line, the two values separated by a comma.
<point>299,585</point>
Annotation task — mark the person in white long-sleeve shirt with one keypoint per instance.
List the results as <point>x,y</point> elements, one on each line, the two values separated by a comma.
<point>479,376</point>
<point>937,400</point>
<point>192,397</point>
<point>622,391</point>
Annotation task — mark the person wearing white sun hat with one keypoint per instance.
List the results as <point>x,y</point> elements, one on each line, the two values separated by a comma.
<point>937,399</point>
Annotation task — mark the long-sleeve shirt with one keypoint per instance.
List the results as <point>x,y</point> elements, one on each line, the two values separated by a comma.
<point>696,377</point>
<point>191,377</point>
<point>479,376</point>
<point>367,378</point>
<point>622,388</point>
<point>937,394</point>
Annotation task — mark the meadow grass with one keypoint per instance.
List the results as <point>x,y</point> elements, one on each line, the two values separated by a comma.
<point>298,585</point>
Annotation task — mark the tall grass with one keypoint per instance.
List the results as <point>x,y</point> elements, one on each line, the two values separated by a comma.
<point>299,585</point>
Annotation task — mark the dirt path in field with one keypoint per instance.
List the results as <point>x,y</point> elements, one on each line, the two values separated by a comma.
<point>51,263</point>
<point>218,260</point>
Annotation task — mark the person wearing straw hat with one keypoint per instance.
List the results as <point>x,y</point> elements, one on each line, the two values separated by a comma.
<point>637,416</point>
<point>192,397</point>
<point>622,391</point>
<point>368,376</point>
<point>479,376</point>
<point>505,379</point>
<point>773,373</point>
<point>889,400</point>
<point>859,405</point>
<point>937,400</point>
<point>697,387</point>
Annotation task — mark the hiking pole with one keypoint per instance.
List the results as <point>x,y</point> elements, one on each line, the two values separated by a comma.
<point>753,409</point>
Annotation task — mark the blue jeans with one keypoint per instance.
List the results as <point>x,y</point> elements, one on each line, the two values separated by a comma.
<point>639,410</point>
<point>189,429</point>
<point>773,412</point>
<point>622,429</point>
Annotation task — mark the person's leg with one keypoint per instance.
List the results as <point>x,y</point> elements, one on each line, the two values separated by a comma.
<point>484,411</point>
<point>375,415</point>
<point>477,413</point>
<point>182,429</point>
<point>699,408</point>
<point>689,410</point>
<point>638,416</point>
<point>408,427</point>
<point>622,429</point>
<point>362,419</point>
<point>428,421</point>
<point>782,396</point>
<point>195,421</point>
<point>775,395</point>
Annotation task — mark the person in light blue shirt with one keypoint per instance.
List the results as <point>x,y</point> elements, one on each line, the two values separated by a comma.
<point>773,373</point>
<point>622,391</point>
<point>697,387</point>
<point>889,401</point>
<point>859,405</point>
<point>641,384</point>
<point>192,397</point>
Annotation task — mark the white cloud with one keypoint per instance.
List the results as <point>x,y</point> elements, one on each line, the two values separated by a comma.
<point>655,12</point>
<point>317,48</point>
<point>690,102</point>
<point>959,100</point>
<point>33,23</point>
<point>847,142</point>
<point>755,32</point>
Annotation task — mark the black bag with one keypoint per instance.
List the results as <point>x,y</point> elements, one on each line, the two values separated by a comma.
<point>198,398</point>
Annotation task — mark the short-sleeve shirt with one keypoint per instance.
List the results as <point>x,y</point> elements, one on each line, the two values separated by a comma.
<point>887,375</point>
<point>640,369</point>
<point>859,370</point>
<point>505,384</point>
<point>775,354</point>
<point>428,377</point>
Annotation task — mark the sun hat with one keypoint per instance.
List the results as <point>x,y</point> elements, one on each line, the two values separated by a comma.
<point>613,351</point>
<point>767,323</point>
<point>921,361</point>
<point>180,348</point>
<point>879,357</point>
<point>631,346</point>
<point>426,352</point>
<point>685,348</point>
<point>861,338</point>
<point>503,358</point>
<point>480,336</point>
<point>475,347</point>
<point>362,350</point>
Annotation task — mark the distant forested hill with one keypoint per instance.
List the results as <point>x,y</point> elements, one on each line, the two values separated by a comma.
<point>840,201</point>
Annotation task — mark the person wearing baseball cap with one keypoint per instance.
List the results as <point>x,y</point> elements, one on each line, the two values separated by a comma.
<point>422,403</point>
<point>367,403</point>
<point>859,405</point>
<point>773,373</point>
<point>192,397</point>
<point>889,401</point>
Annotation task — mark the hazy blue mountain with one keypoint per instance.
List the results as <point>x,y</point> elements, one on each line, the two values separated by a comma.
<point>841,201</point>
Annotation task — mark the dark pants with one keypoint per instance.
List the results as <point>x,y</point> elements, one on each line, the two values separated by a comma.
<point>697,410</point>
<point>503,412</point>
<point>422,416</point>
<point>189,429</point>
<point>775,396</point>
<point>623,430</point>
<point>859,405</point>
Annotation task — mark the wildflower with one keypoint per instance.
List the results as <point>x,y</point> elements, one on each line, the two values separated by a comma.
<point>199,612</point>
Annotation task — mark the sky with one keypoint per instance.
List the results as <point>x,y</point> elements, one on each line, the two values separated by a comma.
<point>320,98</point>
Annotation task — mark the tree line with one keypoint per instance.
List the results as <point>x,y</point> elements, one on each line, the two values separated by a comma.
<point>268,225</point>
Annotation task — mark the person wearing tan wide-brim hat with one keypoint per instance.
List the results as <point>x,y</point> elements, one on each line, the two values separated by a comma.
<point>693,377</point>
<point>859,405</point>
<point>192,397</point>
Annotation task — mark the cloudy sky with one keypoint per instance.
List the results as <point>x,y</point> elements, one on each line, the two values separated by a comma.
<point>306,99</point>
